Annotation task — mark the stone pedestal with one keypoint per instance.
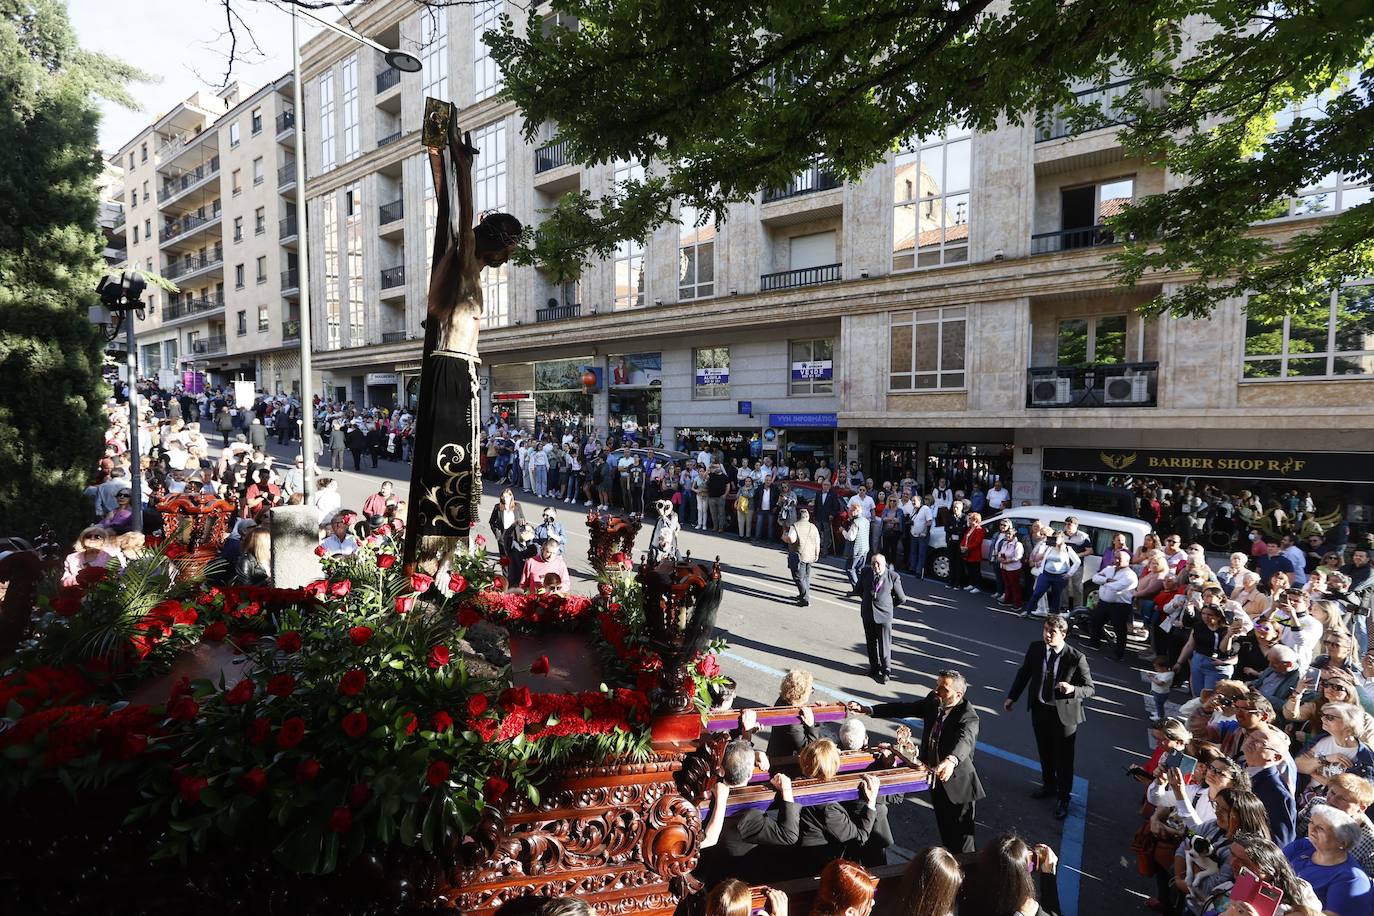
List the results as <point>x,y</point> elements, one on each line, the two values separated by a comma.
<point>295,535</point>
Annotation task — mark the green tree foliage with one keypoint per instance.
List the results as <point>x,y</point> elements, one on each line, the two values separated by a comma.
<point>732,97</point>
<point>50,386</point>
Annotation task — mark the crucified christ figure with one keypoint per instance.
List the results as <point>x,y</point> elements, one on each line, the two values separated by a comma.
<point>446,483</point>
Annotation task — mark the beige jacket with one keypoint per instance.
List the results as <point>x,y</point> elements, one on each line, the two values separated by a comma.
<point>808,544</point>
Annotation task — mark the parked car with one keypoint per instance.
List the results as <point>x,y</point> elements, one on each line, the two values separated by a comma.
<point>1098,526</point>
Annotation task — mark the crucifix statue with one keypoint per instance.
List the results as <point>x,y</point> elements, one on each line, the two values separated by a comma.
<point>446,481</point>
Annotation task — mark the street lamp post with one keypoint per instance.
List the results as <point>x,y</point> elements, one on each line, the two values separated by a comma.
<point>407,63</point>
<point>120,300</point>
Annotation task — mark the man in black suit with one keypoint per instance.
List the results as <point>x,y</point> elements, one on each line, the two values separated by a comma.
<point>1059,682</point>
<point>947,745</point>
<point>880,594</point>
<point>763,501</point>
<point>749,845</point>
<point>828,505</point>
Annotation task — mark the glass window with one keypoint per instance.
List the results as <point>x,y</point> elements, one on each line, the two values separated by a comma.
<point>489,191</point>
<point>258,171</point>
<point>629,255</point>
<point>350,108</point>
<point>1091,341</point>
<point>264,321</point>
<point>326,121</point>
<point>243,323</point>
<point>711,373</point>
<point>333,304</point>
<point>256,120</point>
<point>813,366</point>
<point>486,77</point>
<point>1330,193</point>
<point>1330,335</point>
<point>238,228</point>
<point>930,197</point>
<point>927,349</point>
<point>696,254</point>
<point>238,276</point>
<point>434,51</point>
<point>353,249</point>
<point>262,268</point>
<point>236,181</point>
<point>234,134</point>
<point>260,221</point>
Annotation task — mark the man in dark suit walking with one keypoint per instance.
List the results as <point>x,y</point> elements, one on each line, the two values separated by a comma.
<point>1059,682</point>
<point>828,505</point>
<point>947,745</point>
<point>880,594</point>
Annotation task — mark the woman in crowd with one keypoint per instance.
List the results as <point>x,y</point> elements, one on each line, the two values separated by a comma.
<point>1246,592</point>
<point>1323,860</point>
<point>121,518</point>
<point>1257,854</point>
<point>787,740</point>
<point>523,548</point>
<point>1229,576</point>
<point>91,550</point>
<point>1148,544</point>
<point>998,882</point>
<point>971,548</point>
<point>728,898</point>
<point>327,499</point>
<point>254,563</point>
<point>846,889</point>
<point>1210,650</point>
<point>1237,812</point>
<point>1196,803</point>
<point>1344,746</point>
<point>1334,622</point>
<point>506,515</point>
<point>1319,686</point>
<point>129,547</point>
<point>743,509</point>
<point>826,830</point>
<point>930,885</point>
<point>663,541</point>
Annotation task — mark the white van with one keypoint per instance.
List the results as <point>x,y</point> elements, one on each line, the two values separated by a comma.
<point>1098,526</point>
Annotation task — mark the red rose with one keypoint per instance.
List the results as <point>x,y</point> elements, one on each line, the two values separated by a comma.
<point>477,704</point>
<point>254,781</point>
<point>359,635</point>
<point>708,666</point>
<point>190,788</point>
<point>358,794</point>
<point>133,745</point>
<point>467,617</point>
<point>420,583</point>
<point>246,641</point>
<point>498,583</point>
<point>604,590</point>
<point>457,583</point>
<point>480,540</point>
<point>291,732</point>
<point>540,666</point>
<point>442,721</point>
<point>307,770</point>
<point>617,557</point>
<point>405,604</point>
<point>281,685</point>
<point>383,531</point>
<point>494,788</point>
<point>355,724</point>
<point>240,693</point>
<point>320,551</point>
<point>182,709</point>
<point>516,697</point>
<point>289,642</point>
<point>67,603</point>
<point>353,682</point>
<point>341,820</point>
<point>184,616</point>
<point>438,656</point>
<point>386,560</point>
<point>437,774</point>
<point>259,730</point>
<point>341,588</point>
<point>409,722</point>
<point>92,574</point>
<point>216,631</point>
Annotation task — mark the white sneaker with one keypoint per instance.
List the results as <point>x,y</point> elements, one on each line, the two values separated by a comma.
<point>1039,613</point>
<point>587,503</point>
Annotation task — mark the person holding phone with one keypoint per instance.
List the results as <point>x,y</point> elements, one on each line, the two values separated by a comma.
<point>1262,858</point>
<point>1211,651</point>
<point>1001,879</point>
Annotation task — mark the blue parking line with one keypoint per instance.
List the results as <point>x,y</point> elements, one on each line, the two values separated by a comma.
<point>1075,825</point>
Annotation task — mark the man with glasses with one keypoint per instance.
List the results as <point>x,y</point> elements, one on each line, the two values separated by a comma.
<point>1057,681</point>
<point>1174,554</point>
<point>1301,631</point>
<point>1264,751</point>
<point>948,741</point>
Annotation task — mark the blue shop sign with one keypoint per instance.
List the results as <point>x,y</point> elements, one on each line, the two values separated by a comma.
<point>803,420</point>
<point>745,407</point>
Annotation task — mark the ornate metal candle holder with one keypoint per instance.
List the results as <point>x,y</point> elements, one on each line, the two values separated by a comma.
<point>680,604</point>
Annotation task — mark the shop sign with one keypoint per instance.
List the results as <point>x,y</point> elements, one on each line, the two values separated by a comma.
<point>512,396</point>
<point>1347,467</point>
<point>382,378</point>
<point>813,370</point>
<point>745,408</point>
<point>770,439</point>
<point>636,370</point>
<point>803,420</point>
<point>713,376</point>
<point>714,437</point>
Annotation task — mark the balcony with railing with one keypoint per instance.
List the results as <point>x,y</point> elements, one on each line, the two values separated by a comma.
<point>388,78</point>
<point>558,312</point>
<point>210,346</point>
<point>291,330</point>
<point>286,175</point>
<point>174,187</point>
<point>807,276</point>
<point>1099,385</point>
<point>393,337</point>
<point>190,308</point>
<point>1069,239</point>
<point>189,223</point>
<point>291,279</point>
<point>390,213</point>
<point>550,156</point>
<point>393,277</point>
<point>389,138</point>
<point>287,228</point>
<point>286,121</point>
<point>1107,100</point>
<point>193,265</point>
<point>816,177</point>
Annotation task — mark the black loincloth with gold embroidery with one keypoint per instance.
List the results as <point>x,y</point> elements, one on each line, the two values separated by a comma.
<point>447,500</point>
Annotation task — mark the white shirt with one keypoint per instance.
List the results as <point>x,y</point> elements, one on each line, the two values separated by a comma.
<point>704,459</point>
<point>943,498</point>
<point>335,547</point>
<point>1118,585</point>
<point>863,505</point>
<point>920,521</point>
<point>328,502</point>
<point>767,501</point>
<point>1304,639</point>
<point>997,497</point>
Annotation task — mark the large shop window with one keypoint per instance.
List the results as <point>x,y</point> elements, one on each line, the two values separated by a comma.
<point>927,349</point>
<point>711,373</point>
<point>930,197</point>
<point>813,366</point>
<point>1330,336</point>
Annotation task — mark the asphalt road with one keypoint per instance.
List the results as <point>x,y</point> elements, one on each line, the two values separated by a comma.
<point>939,628</point>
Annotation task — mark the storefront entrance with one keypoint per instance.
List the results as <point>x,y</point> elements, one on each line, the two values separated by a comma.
<point>893,461</point>
<point>636,414</point>
<point>968,466</point>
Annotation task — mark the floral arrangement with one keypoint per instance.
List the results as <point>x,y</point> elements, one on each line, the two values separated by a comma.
<point>356,722</point>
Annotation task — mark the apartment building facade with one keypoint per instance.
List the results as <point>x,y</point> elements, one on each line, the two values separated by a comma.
<point>952,312</point>
<point>209,204</point>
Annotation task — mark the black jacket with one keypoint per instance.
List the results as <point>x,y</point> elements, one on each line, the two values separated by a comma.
<point>751,844</point>
<point>958,738</point>
<point>1072,667</point>
<point>504,535</point>
<point>356,439</point>
<point>787,740</point>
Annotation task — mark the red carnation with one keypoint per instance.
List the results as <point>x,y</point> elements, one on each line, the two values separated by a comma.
<point>254,781</point>
<point>516,698</point>
<point>320,551</point>
<point>216,631</point>
<point>499,583</point>
<point>133,745</point>
<point>457,583</point>
<point>437,774</point>
<point>420,583</point>
<point>438,656</point>
<point>359,635</point>
<point>477,704</point>
<point>289,642</point>
<point>240,693</point>
<point>358,794</point>
<point>383,531</point>
<point>540,666</point>
<point>405,604</point>
<point>494,788</point>
<point>341,820</point>
<point>409,722</point>
<point>468,617</point>
<point>184,616</point>
<point>307,770</point>
<point>353,682</point>
<point>281,685</point>
<point>355,724</point>
<point>442,721</point>
<point>617,557</point>
<point>708,666</point>
<point>291,732</point>
<point>386,560</point>
<point>182,709</point>
<point>190,788</point>
<point>246,640</point>
<point>341,588</point>
<point>259,730</point>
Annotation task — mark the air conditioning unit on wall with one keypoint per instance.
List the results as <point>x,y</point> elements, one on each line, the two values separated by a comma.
<point>1050,392</point>
<point>1126,389</point>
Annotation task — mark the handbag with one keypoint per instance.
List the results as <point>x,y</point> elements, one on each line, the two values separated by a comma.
<point>742,503</point>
